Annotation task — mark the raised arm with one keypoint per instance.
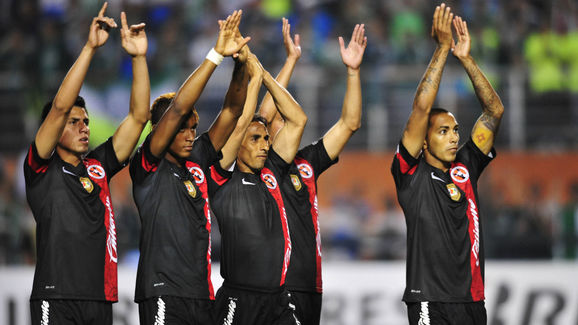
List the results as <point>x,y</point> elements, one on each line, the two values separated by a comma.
<point>225,123</point>
<point>191,90</point>
<point>134,42</point>
<point>51,129</point>
<point>350,120</point>
<point>416,127</point>
<point>286,141</point>
<point>231,148</point>
<point>486,127</point>
<point>267,110</point>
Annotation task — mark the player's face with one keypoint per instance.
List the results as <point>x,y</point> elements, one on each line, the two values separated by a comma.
<point>441,143</point>
<point>182,144</point>
<point>254,148</point>
<point>74,138</point>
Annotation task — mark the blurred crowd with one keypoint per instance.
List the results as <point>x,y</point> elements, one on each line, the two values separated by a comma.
<point>39,40</point>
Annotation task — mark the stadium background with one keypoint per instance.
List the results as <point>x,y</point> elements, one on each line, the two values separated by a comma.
<point>529,194</point>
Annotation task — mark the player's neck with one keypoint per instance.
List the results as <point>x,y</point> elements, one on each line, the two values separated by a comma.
<point>245,168</point>
<point>172,158</point>
<point>437,163</point>
<point>68,156</point>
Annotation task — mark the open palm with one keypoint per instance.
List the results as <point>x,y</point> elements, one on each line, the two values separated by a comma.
<point>134,38</point>
<point>353,54</point>
<point>461,49</point>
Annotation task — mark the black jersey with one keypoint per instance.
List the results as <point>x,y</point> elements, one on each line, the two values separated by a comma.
<point>445,255</point>
<point>299,189</point>
<point>173,204</point>
<point>75,227</point>
<point>255,241</point>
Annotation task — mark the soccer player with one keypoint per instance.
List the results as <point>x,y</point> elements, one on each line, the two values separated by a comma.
<point>436,186</point>
<point>299,187</point>
<point>256,246</point>
<point>170,190</point>
<point>67,189</point>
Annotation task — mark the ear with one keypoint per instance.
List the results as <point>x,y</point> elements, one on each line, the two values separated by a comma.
<point>424,147</point>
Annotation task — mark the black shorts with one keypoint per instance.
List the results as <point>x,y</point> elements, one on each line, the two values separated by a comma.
<point>436,313</point>
<point>307,306</point>
<point>235,306</point>
<point>175,310</point>
<point>71,312</point>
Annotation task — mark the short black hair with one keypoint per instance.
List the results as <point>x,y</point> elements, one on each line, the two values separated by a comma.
<point>435,111</point>
<point>161,105</point>
<point>48,106</point>
<point>260,119</point>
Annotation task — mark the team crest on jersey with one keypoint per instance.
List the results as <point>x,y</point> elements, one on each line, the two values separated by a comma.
<point>190,188</point>
<point>460,174</point>
<point>296,182</point>
<point>87,184</point>
<point>454,192</point>
<point>305,170</point>
<point>197,174</point>
<point>95,171</point>
<point>269,180</point>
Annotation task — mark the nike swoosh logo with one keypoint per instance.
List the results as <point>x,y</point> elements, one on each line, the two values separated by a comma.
<point>436,178</point>
<point>177,175</point>
<point>247,183</point>
<point>67,172</point>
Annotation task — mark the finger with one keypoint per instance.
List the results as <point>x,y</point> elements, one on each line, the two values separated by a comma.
<point>137,28</point>
<point>341,44</point>
<point>123,22</point>
<point>243,43</point>
<point>440,15</point>
<point>102,10</point>
<point>435,19</point>
<point>354,33</point>
<point>361,34</point>
<point>446,16</point>
<point>297,41</point>
<point>364,44</point>
<point>220,24</point>
<point>465,27</point>
<point>236,19</point>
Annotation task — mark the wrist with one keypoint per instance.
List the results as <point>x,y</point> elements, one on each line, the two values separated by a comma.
<point>352,71</point>
<point>214,56</point>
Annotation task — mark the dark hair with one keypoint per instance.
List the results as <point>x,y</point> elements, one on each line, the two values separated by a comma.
<point>435,111</point>
<point>48,106</point>
<point>161,105</point>
<point>260,119</point>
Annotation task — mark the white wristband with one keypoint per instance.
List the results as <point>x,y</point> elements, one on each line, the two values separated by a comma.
<point>214,57</point>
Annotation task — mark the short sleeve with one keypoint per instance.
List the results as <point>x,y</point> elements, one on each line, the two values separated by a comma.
<point>34,166</point>
<point>317,156</point>
<point>279,167</point>
<point>204,152</point>
<point>106,155</point>
<point>476,161</point>
<point>143,163</point>
<point>403,167</point>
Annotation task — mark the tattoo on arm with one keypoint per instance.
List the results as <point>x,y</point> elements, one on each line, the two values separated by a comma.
<point>490,121</point>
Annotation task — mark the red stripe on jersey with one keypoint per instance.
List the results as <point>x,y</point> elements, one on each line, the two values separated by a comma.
<point>477,285</point>
<point>147,165</point>
<point>276,193</point>
<point>217,178</point>
<point>202,184</point>
<point>35,165</point>
<point>404,166</point>
<point>111,257</point>
<point>312,189</point>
